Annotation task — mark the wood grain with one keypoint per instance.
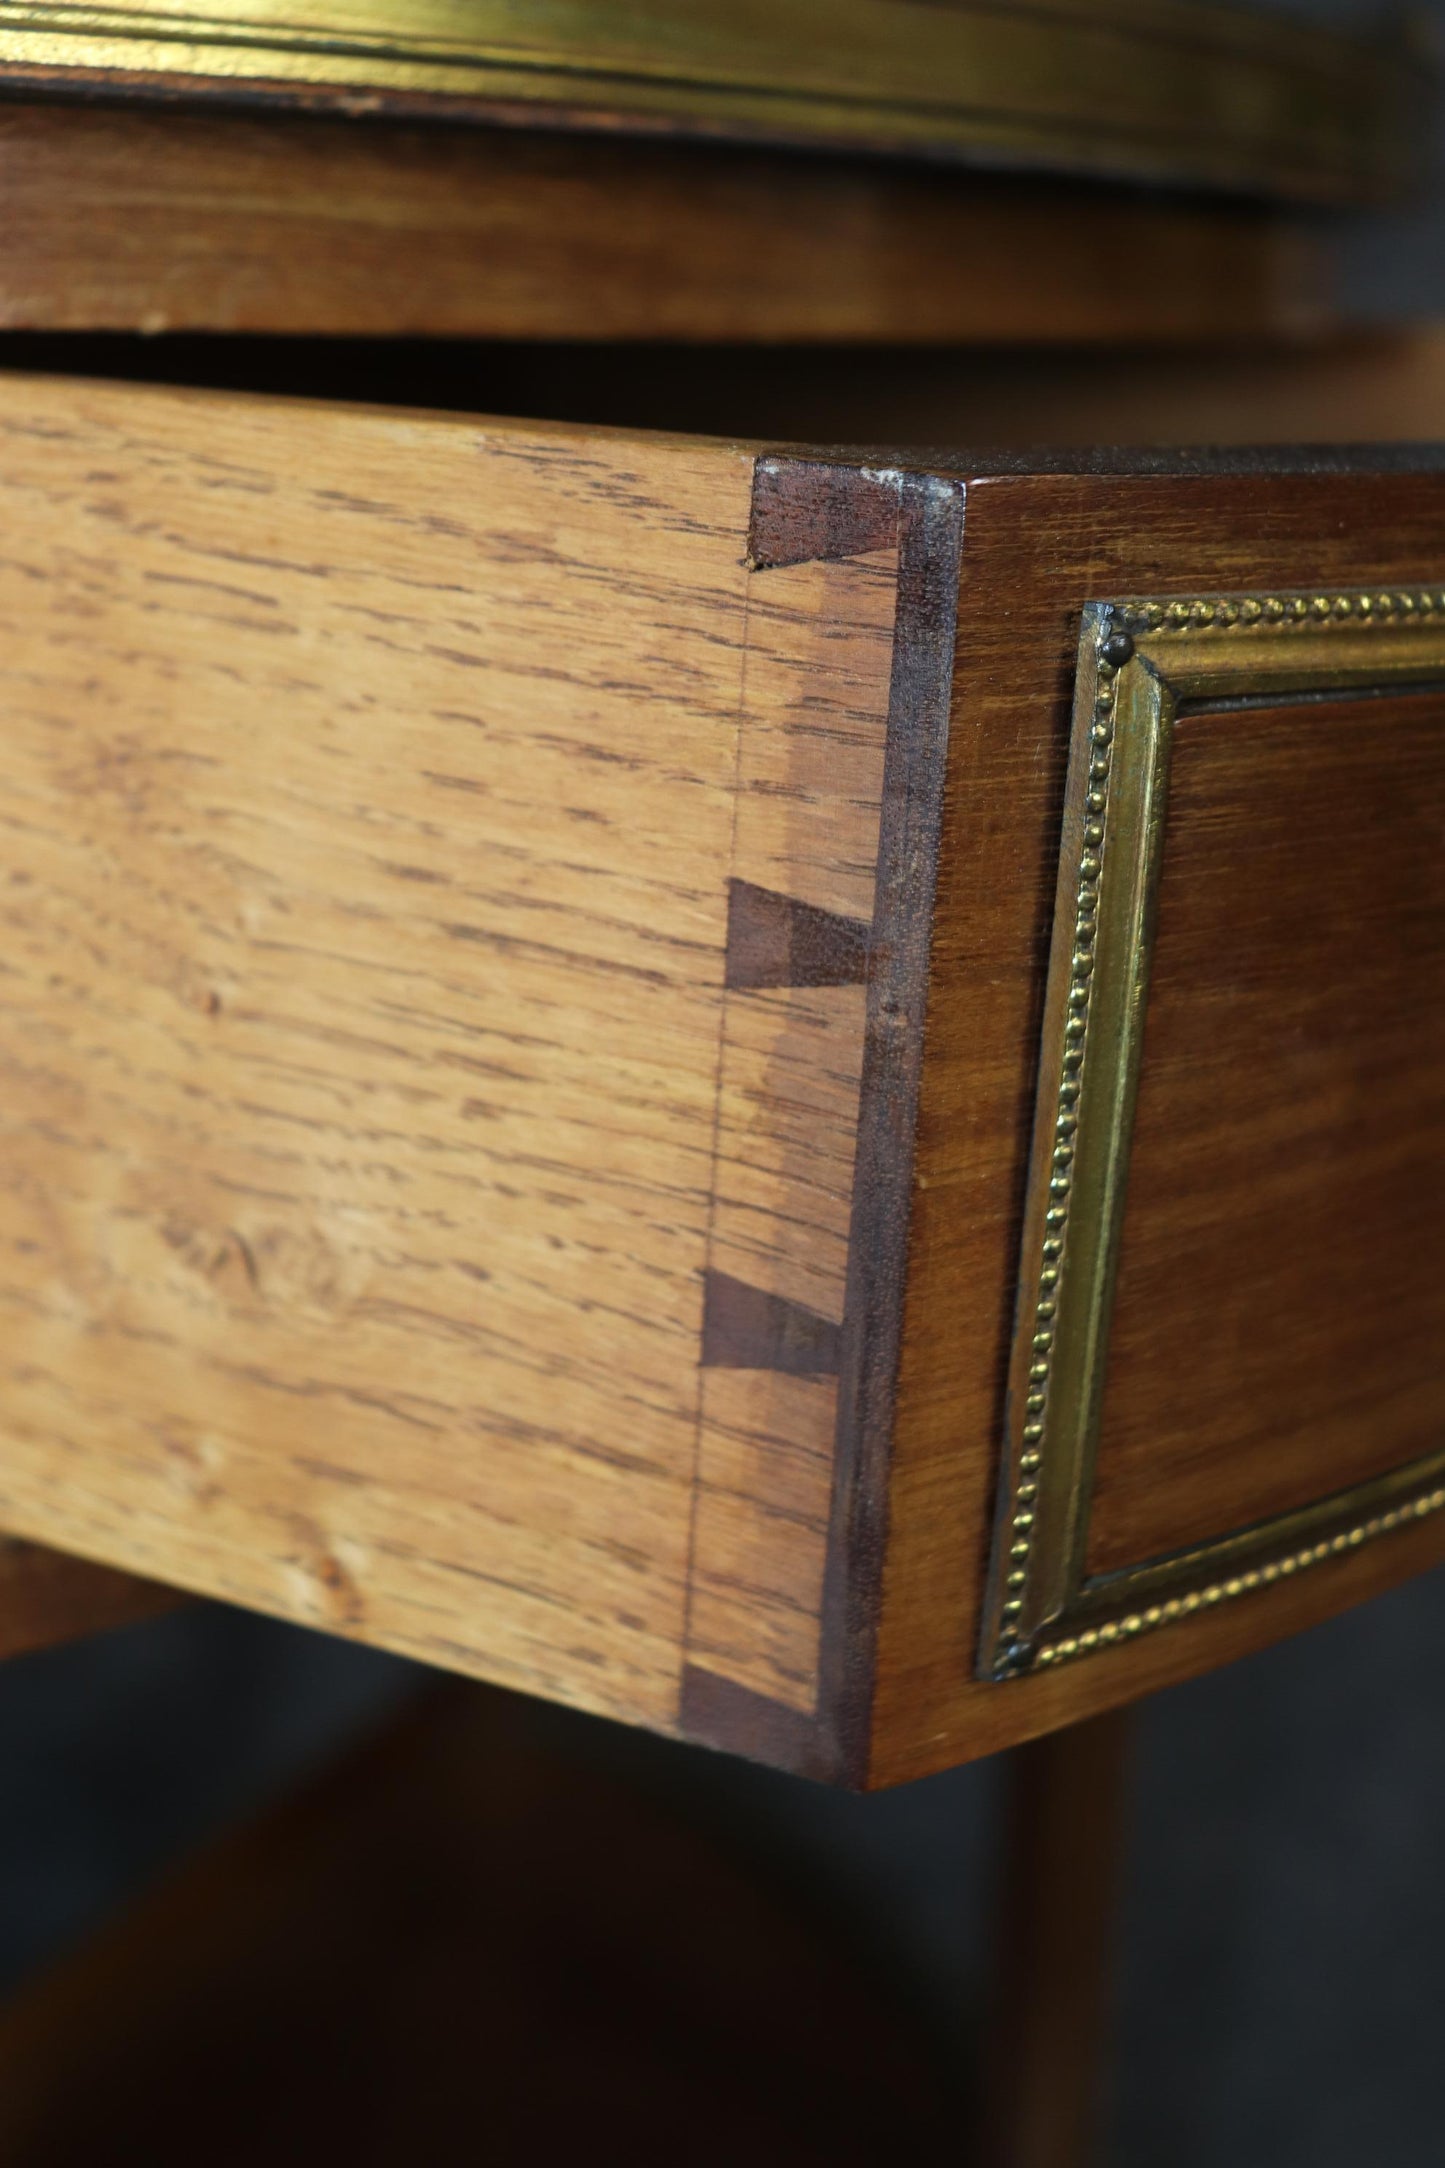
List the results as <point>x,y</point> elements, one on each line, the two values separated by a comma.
<point>809,807</point>
<point>429,1207</point>
<point>381,1121</point>
<point>1052,1959</point>
<point>1172,91</point>
<point>1274,1337</point>
<point>369,795</point>
<point>172,221</point>
<point>1036,549</point>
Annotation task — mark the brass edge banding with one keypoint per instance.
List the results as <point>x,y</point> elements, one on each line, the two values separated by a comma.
<point>1066,1121</point>
<point>1134,1623</point>
<point>1222,613</point>
<point>1117,626</point>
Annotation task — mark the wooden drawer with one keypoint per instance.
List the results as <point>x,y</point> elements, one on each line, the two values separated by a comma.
<point>528,984</point>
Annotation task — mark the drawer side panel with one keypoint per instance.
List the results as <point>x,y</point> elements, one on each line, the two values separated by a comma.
<point>368,791</point>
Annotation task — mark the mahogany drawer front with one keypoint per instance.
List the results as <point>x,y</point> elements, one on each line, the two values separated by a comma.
<point>528,959</point>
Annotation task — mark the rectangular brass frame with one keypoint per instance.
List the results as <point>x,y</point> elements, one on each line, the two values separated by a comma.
<point>1137,663</point>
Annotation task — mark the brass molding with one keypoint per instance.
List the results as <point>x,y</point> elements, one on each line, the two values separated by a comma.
<point>1165,90</point>
<point>1137,662</point>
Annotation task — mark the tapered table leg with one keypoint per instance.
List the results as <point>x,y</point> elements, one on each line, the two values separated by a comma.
<point>1053,1948</point>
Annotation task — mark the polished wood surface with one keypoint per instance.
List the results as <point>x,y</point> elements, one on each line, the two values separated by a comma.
<point>133,219</point>
<point>1052,1956</point>
<point>1274,1337</point>
<point>1164,90</point>
<point>381,1115</point>
<point>1036,549</point>
<point>505,1155</point>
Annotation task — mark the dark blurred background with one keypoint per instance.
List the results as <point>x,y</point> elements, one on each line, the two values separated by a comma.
<point>1283,1903</point>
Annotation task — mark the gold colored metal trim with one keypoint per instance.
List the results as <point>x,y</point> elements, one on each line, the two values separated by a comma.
<point>1162,89</point>
<point>1137,662</point>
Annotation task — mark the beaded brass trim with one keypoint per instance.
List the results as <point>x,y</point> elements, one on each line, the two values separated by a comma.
<point>1133,1623</point>
<point>1138,660</point>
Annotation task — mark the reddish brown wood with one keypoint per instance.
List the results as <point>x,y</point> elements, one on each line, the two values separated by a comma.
<point>658,1344</point>
<point>813,510</point>
<point>1036,549</point>
<point>223,221</point>
<point>1277,1332</point>
<point>777,940</point>
<point>745,1328</point>
<point>1053,1946</point>
<point>46,1597</point>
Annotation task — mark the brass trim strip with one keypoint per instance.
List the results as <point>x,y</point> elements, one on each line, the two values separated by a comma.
<point>1195,94</point>
<point>1137,662</point>
<point>1132,1623</point>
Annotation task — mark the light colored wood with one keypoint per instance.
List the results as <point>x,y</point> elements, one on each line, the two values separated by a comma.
<point>168,221</point>
<point>373,784</point>
<point>792,1061</point>
<point>760,1540</point>
<point>810,794</point>
<point>369,795</point>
